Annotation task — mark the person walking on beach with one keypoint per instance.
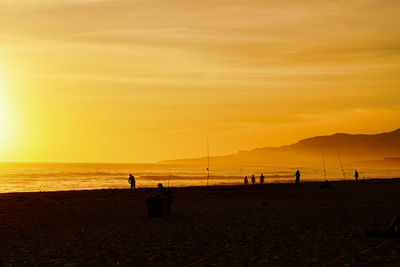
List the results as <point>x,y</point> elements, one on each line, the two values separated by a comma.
<point>246,181</point>
<point>253,179</point>
<point>262,178</point>
<point>132,181</point>
<point>356,176</point>
<point>297,177</point>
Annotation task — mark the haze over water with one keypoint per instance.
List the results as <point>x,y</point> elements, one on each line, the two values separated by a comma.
<point>33,177</point>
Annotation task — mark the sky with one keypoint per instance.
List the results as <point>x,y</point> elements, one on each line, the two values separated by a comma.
<point>147,80</point>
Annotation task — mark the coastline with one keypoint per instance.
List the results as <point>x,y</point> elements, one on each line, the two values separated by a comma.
<point>163,181</point>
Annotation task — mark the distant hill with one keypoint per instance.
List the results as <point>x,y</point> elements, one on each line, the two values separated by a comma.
<point>350,147</point>
<point>384,163</point>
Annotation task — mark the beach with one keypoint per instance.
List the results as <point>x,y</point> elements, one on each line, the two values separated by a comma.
<point>264,225</point>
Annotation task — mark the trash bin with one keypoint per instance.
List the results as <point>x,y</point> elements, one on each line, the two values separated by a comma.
<point>155,206</point>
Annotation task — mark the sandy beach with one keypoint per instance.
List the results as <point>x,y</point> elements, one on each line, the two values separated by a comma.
<point>272,224</point>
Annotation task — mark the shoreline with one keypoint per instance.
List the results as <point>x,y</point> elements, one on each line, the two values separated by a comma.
<point>306,182</point>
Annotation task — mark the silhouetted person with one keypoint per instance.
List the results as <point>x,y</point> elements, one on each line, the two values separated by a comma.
<point>262,178</point>
<point>356,175</point>
<point>132,181</point>
<point>253,179</point>
<point>246,181</point>
<point>167,196</point>
<point>297,177</point>
<point>162,189</point>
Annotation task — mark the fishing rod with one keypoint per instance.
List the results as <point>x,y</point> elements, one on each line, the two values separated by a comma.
<point>208,162</point>
<point>341,165</point>
<point>323,160</point>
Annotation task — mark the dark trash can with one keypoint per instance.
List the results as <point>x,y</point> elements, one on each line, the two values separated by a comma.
<point>155,207</point>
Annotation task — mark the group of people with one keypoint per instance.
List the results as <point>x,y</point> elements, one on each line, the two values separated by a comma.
<point>262,179</point>
<point>253,179</point>
<point>297,175</point>
<point>132,180</point>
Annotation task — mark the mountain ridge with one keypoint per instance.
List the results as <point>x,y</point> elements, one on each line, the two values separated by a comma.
<point>349,147</point>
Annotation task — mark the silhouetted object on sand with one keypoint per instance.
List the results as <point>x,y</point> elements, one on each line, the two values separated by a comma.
<point>393,230</point>
<point>160,205</point>
<point>166,194</point>
<point>394,227</point>
<point>297,177</point>
<point>324,184</point>
<point>155,207</point>
<point>363,181</point>
<point>356,175</point>
<point>246,181</point>
<point>132,181</point>
<point>253,179</point>
<point>262,178</point>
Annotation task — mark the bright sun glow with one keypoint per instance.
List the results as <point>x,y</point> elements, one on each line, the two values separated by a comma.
<point>3,113</point>
<point>143,81</point>
<point>7,119</point>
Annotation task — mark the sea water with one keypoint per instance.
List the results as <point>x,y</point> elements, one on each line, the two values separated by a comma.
<point>34,177</point>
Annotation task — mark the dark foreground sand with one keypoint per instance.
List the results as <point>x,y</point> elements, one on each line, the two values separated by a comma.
<point>273,224</point>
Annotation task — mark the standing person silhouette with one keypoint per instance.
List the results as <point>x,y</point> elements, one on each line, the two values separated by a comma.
<point>262,178</point>
<point>246,181</point>
<point>253,179</point>
<point>356,175</point>
<point>297,177</point>
<point>132,181</point>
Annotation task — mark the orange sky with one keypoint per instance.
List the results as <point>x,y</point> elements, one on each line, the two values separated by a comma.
<point>144,80</point>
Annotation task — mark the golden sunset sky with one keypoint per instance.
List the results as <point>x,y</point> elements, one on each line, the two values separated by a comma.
<point>146,80</point>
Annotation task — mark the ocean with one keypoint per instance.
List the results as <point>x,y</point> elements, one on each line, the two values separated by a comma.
<point>34,177</point>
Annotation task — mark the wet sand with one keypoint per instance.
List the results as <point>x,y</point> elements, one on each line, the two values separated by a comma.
<point>272,224</point>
